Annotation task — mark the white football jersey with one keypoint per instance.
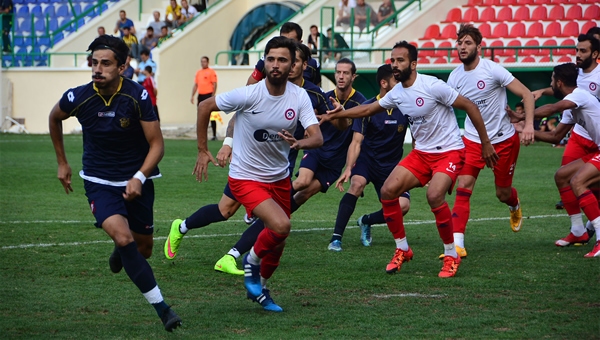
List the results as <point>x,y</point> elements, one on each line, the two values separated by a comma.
<point>586,114</point>
<point>259,153</point>
<point>428,107</point>
<point>485,87</point>
<point>591,83</point>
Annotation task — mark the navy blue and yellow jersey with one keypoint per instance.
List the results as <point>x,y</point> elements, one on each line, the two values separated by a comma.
<point>312,72</point>
<point>384,134</point>
<point>336,142</point>
<point>114,144</point>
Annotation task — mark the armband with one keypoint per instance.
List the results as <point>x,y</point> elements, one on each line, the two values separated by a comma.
<point>140,175</point>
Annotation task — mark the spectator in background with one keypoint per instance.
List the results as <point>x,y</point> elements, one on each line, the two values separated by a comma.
<point>131,41</point>
<point>150,40</point>
<point>6,11</point>
<point>173,14</point>
<point>337,42</point>
<point>150,85</point>
<point>205,82</point>
<point>344,12</point>
<point>101,31</point>
<point>124,22</point>
<point>187,12</point>
<point>155,22</point>
<point>315,38</point>
<point>128,71</point>
<point>146,61</point>
<point>164,34</point>
<point>364,14</point>
<point>386,9</point>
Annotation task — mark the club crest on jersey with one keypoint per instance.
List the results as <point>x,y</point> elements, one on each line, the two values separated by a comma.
<point>593,87</point>
<point>124,122</point>
<point>420,102</point>
<point>109,114</point>
<point>400,128</point>
<point>481,85</point>
<point>290,114</point>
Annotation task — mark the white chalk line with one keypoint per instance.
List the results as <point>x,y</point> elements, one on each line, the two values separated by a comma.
<point>407,222</point>
<point>432,296</point>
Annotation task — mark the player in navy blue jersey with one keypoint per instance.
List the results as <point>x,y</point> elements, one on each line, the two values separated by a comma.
<point>376,148</point>
<point>122,146</point>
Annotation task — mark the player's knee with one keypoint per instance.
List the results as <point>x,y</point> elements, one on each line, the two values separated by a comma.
<point>435,199</point>
<point>145,250</point>
<point>561,178</point>
<point>356,188</point>
<point>404,205</point>
<point>282,227</point>
<point>301,183</point>
<point>503,194</point>
<point>228,207</point>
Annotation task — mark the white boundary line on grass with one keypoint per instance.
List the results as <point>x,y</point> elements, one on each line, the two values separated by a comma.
<point>433,296</point>
<point>407,222</point>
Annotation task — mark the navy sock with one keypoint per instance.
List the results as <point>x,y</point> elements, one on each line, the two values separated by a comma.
<point>137,268</point>
<point>294,206</point>
<point>160,307</point>
<point>345,210</point>
<point>374,218</point>
<point>245,243</point>
<point>204,216</point>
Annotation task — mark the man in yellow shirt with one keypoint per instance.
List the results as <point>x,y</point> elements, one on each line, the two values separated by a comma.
<point>173,14</point>
<point>131,41</point>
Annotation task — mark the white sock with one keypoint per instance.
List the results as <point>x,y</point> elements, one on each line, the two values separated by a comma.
<point>154,295</point>
<point>596,224</point>
<point>234,252</point>
<point>577,224</point>
<point>578,230</point>
<point>182,228</point>
<point>263,282</point>
<point>450,250</point>
<point>459,239</point>
<point>401,243</point>
<point>253,258</point>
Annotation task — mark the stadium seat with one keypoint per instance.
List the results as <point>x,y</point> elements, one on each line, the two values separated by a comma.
<point>540,2</point>
<point>441,60</point>
<point>53,24</point>
<point>571,29</point>
<point>563,51</point>
<point>549,42</point>
<point>557,13</point>
<point>485,29</point>
<point>491,2</point>
<point>574,13</point>
<point>488,14</point>
<point>471,14</point>
<point>545,59</point>
<point>427,53</point>
<point>475,2</point>
<point>22,10</point>
<point>565,59</point>
<point>454,15</point>
<point>443,53</point>
<point>432,32</point>
<point>40,24</point>
<point>553,30</point>
<point>539,13</point>
<point>517,31</point>
<point>512,43</point>
<point>586,27</point>
<point>500,31</point>
<point>592,13</point>
<point>449,32</point>
<point>528,60</point>
<point>498,51</point>
<point>521,14</point>
<point>37,9</point>
<point>25,26</point>
<point>505,14</point>
<point>510,59</point>
<point>525,2</point>
<point>423,60</point>
<point>529,52</point>
<point>49,11</point>
<point>508,2</point>
<point>535,30</point>
<point>62,10</point>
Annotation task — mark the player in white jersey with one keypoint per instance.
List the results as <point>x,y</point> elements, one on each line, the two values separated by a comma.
<point>484,82</point>
<point>266,118</point>
<point>438,155</point>
<point>584,172</point>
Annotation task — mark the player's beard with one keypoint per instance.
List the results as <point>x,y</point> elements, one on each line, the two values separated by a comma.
<point>557,94</point>
<point>278,81</point>
<point>403,75</point>
<point>584,63</point>
<point>469,58</point>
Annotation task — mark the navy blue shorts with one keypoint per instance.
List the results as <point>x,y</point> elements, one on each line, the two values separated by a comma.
<point>227,192</point>
<point>106,201</point>
<point>324,175</point>
<point>374,173</point>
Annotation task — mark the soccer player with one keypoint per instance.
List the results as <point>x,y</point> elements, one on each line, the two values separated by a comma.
<point>584,172</point>
<point>266,119</point>
<point>376,148</point>
<point>484,82</point>
<point>437,157</point>
<point>122,145</point>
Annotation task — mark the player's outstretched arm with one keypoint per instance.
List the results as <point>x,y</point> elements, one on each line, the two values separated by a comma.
<point>517,88</point>
<point>204,156</point>
<point>550,109</point>
<point>537,94</point>
<point>56,134</point>
<point>488,153</point>
<point>355,112</point>
<point>554,136</point>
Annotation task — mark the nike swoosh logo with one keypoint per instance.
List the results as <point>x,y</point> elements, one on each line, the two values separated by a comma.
<point>255,113</point>
<point>171,254</point>
<point>219,266</point>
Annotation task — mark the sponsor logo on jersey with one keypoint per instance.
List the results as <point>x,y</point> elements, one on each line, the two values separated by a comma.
<point>264,136</point>
<point>109,114</point>
<point>70,96</point>
<point>420,102</point>
<point>290,114</point>
<point>390,121</point>
<point>417,120</point>
<point>124,122</point>
<point>481,85</point>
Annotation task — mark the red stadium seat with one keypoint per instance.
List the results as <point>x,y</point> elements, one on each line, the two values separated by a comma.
<point>449,32</point>
<point>455,60</point>
<point>528,60</point>
<point>566,59</point>
<point>485,29</point>
<point>545,60</point>
<point>499,51</point>
<point>425,53</point>
<point>571,29</point>
<point>414,43</point>
<point>475,2</point>
<point>454,15</point>
<point>521,14</point>
<point>557,13</point>
<point>488,14</point>
<point>441,60</point>
<point>512,43</point>
<point>525,2</point>
<point>432,32</point>
<point>586,27</point>
<point>423,60</point>
<point>443,53</point>
<point>505,14</point>
<point>517,31</point>
<point>574,13</point>
<point>540,2</point>
<point>510,60</point>
<point>500,31</point>
<point>563,51</point>
<point>471,14</point>
<point>508,2</point>
<point>491,2</point>
<point>528,52</point>
<point>535,30</point>
<point>549,42</point>
<point>539,13</point>
<point>592,13</point>
<point>553,30</point>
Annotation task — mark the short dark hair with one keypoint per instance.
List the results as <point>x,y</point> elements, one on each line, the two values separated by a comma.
<point>412,50</point>
<point>314,26</point>
<point>148,69</point>
<point>593,30</point>
<point>282,42</point>
<point>567,73</point>
<point>145,51</point>
<point>470,30</point>
<point>114,44</point>
<point>289,27</point>
<point>520,104</point>
<point>347,61</point>
<point>205,57</point>
<point>304,51</point>
<point>150,28</point>
<point>384,72</point>
<point>595,43</point>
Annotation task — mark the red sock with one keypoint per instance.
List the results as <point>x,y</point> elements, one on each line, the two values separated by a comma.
<point>443,220</point>
<point>267,241</point>
<point>596,192</point>
<point>270,262</point>
<point>461,210</point>
<point>569,201</point>
<point>589,204</point>
<point>513,200</point>
<point>393,217</point>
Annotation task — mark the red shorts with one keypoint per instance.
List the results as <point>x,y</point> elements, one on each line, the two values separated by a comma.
<point>252,193</point>
<point>424,165</point>
<point>504,170</point>
<point>595,160</point>
<point>578,147</point>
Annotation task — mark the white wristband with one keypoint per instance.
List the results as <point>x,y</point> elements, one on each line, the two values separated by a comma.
<point>228,141</point>
<point>140,175</point>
